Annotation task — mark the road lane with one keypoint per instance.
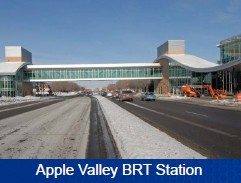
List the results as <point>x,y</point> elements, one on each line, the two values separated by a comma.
<point>15,109</point>
<point>220,119</point>
<point>215,132</point>
<point>196,113</point>
<point>59,130</point>
<point>185,121</point>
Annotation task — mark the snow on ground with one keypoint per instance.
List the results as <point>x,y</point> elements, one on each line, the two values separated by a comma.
<point>15,100</point>
<point>66,93</point>
<point>227,102</point>
<point>18,99</point>
<point>173,97</point>
<point>137,139</point>
<point>231,102</point>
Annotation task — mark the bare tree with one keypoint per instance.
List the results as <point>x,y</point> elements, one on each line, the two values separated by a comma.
<point>65,86</point>
<point>132,84</point>
<point>111,87</point>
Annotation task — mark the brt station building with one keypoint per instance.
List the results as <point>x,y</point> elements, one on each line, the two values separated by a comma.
<point>171,69</point>
<point>180,69</point>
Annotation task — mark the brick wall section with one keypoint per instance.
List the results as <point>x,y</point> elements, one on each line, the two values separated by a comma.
<point>163,85</point>
<point>27,88</point>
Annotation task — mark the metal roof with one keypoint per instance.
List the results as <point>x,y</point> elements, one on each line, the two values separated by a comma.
<point>197,64</point>
<point>189,62</point>
<point>231,39</point>
<point>11,68</point>
<point>66,66</point>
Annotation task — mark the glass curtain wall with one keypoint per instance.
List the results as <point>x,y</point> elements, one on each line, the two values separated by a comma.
<point>92,73</point>
<point>178,76</point>
<point>7,85</point>
<point>11,85</point>
<point>230,51</point>
<point>201,78</point>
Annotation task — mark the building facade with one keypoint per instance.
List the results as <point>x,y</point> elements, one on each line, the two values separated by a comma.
<point>230,49</point>
<point>18,75</point>
<point>171,69</point>
<point>230,56</point>
<point>179,68</point>
<point>11,72</point>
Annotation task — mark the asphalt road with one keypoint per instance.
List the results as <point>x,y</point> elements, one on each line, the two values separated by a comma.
<point>216,133</point>
<point>61,127</point>
<point>51,130</point>
<point>19,108</point>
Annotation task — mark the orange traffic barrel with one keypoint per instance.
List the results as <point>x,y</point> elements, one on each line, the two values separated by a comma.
<point>238,97</point>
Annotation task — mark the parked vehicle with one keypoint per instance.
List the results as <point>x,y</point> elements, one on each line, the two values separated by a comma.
<point>103,93</point>
<point>109,94</point>
<point>126,95</point>
<point>148,96</point>
<point>116,94</point>
<point>89,94</point>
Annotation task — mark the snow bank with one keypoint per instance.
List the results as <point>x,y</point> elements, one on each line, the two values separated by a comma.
<point>18,99</point>
<point>15,100</point>
<point>228,102</point>
<point>137,139</point>
<point>173,97</point>
<point>66,93</point>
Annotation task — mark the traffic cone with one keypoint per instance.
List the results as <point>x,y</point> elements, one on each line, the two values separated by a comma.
<point>238,97</point>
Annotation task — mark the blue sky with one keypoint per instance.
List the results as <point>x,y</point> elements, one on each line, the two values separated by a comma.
<point>115,31</point>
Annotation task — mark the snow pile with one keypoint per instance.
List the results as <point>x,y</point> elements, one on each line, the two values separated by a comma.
<point>15,100</point>
<point>137,139</point>
<point>66,93</point>
<point>165,97</point>
<point>228,102</point>
<point>215,102</point>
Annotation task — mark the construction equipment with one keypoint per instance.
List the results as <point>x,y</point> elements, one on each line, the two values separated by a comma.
<point>192,91</point>
<point>238,97</point>
<point>189,91</point>
<point>215,93</point>
<point>220,92</point>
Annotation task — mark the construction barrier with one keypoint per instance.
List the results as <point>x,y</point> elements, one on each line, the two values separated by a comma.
<point>238,97</point>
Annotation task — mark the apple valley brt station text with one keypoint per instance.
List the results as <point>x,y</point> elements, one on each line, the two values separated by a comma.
<point>172,68</point>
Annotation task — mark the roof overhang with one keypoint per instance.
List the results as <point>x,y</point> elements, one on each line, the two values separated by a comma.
<point>189,62</point>
<point>11,68</point>
<point>231,39</point>
<point>196,64</point>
